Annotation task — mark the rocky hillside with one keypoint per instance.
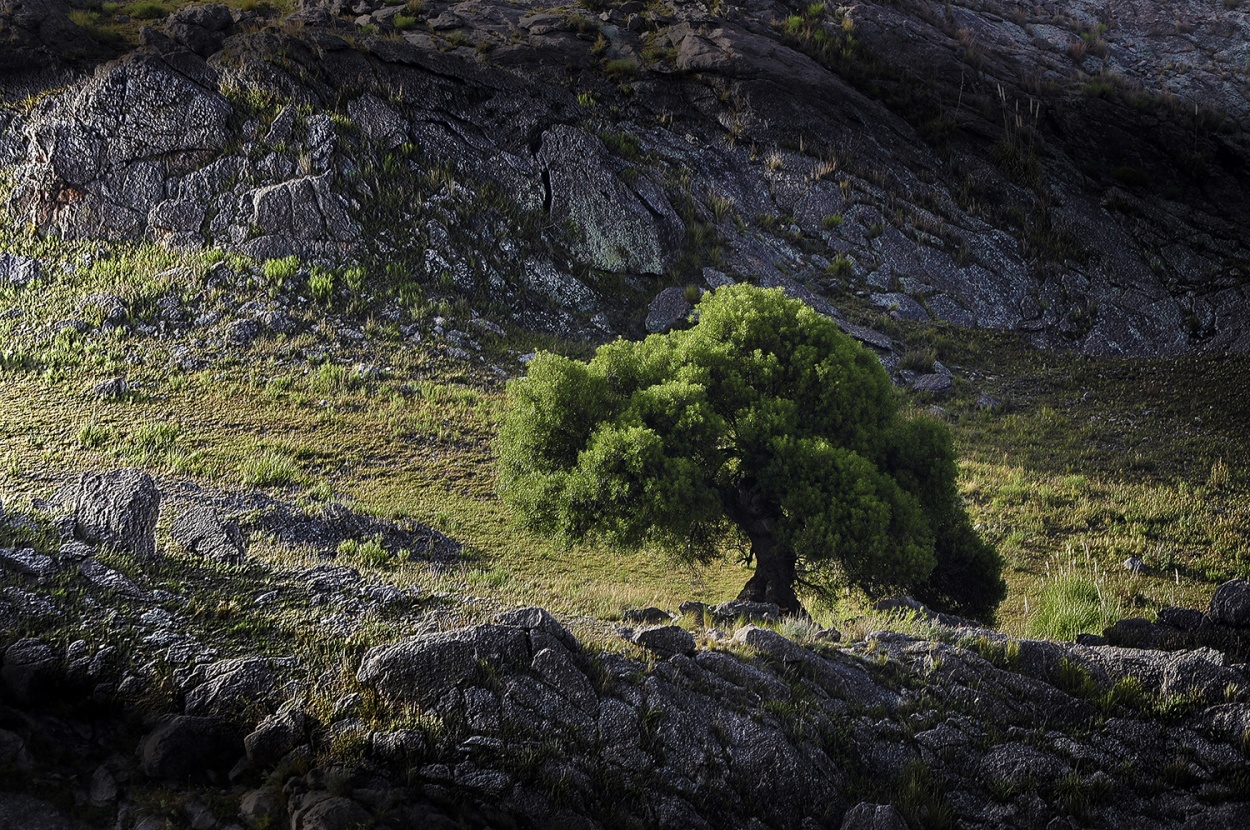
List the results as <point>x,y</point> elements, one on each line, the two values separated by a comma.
<point>271,266</point>
<point>138,692</point>
<point>1075,171</point>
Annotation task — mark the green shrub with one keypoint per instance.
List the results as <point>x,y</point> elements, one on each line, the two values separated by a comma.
<point>278,271</point>
<point>321,283</point>
<point>370,552</point>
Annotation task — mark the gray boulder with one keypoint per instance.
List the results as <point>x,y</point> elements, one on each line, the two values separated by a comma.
<point>262,809</point>
<point>26,561</point>
<point>201,531</point>
<point>935,384</point>
<point>229,686</point>
<point>541,627</point>
<point>322,811</point>
<point>1230,605</point>
<point>669,308</point>
<point>118,509</point>
<point>31,670</point>
<point>738,609</point>
<point>647,616</point>
<point>422,669</point>
<point>665,640</point>
<point>619,232</point>
<point>274,737</point>
<point>110,580</point>
<point>185,748</point>
<point>18,270</point>
<point>112,388</point>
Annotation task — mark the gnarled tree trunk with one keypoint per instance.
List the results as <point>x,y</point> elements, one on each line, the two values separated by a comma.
<point>775,563</point>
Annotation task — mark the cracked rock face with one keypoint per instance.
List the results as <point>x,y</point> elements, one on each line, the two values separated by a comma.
<point>1066,172</point>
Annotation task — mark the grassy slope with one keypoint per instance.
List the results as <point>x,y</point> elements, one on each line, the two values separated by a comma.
<point>1088,461</point>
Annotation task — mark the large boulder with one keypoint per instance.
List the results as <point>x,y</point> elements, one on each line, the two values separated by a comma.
<point>31,670</point>
<point>274,737</point>
<point>1230,605</point>
<point>185,748</point>
<point>619,231</point>
<point>230,686</point>
<point>118,509</point>
<point>422,669</point>
<point>200,530</point>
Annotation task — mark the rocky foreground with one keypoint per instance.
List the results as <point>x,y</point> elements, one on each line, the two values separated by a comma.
<point>124,707</point>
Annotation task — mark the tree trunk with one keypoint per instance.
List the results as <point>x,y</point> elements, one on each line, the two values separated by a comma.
<point>775,574</point>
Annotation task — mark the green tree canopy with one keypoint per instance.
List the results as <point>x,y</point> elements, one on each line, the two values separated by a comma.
<point>765,419</point>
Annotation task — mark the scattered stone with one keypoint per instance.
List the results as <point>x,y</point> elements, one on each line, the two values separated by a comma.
<point>1185,619</point>
<point>322,811</point>
<point>665,640</point>
<point>424,668</point>
<point>274,737</point>
<point>111,388</point>
<point>398,747</point>
<point>17,270</point>
<point>230,686</point>
<point>201,531</point>
<point>261,810</point>
<point>119,509</point>
<point>103,788</point>
<point>13,750</point>
<point>1134,565</point>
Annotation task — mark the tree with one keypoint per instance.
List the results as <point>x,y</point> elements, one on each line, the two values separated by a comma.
<point>762,419</point>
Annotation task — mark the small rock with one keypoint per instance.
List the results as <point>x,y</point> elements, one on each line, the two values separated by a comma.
<point>199,816</point>
<point>201,531</point>
<point>242,332</point>
<point>934,384</point>
<point>329,813</point>
<point>111,388</point>
<point>261,809</point>
<point>1134,565</point>
<point>230,686</point>
<point>274,737</point>
<point>103,791</point>
<point>18,270</point>
<point>647,616</point>
<point>13,750</point>
<point>1186,619</point>
<point>665,640</point>
<point>110,580</point>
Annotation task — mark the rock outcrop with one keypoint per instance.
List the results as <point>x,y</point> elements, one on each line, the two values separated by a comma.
<point>1004,167</point>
